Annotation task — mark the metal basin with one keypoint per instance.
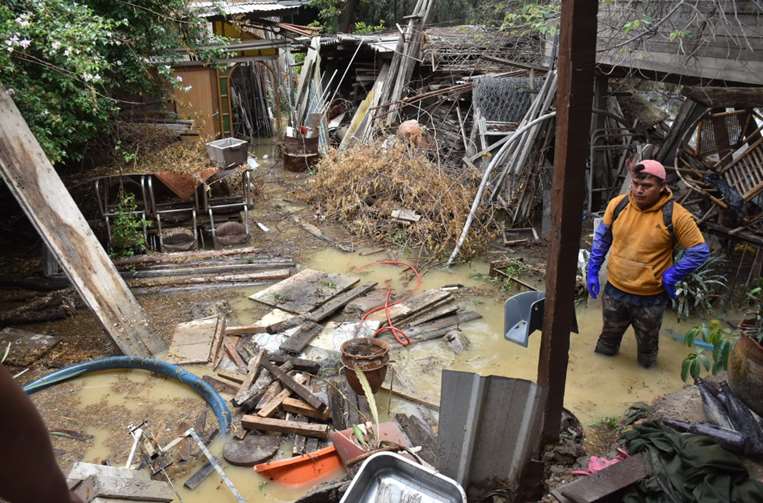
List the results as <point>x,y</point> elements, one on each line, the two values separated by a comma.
<point>390,478</point>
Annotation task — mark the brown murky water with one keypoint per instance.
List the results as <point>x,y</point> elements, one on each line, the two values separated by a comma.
<point>103,405</point>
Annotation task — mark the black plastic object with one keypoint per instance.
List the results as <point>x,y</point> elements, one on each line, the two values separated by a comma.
<point>523,315</point>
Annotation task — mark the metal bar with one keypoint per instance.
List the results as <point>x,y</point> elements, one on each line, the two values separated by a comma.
<point>228,482</point>
<point>577,53</point>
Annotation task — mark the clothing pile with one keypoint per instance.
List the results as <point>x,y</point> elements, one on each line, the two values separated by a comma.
<point>687,467</point>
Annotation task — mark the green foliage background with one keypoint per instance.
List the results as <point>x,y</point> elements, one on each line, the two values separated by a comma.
<point>70,65</point>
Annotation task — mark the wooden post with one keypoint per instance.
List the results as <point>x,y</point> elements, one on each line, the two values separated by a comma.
<point>51,209</point>
<point>577,53</point>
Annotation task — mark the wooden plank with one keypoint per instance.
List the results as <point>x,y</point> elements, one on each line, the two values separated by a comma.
<point>432,315</point>
<point>338,302</point>
<point>270,408</point>
<point>215,355</point>
<point>297,406</point>
<point>301,364</point>
<point>301,338</point>
<point>124,489</point>
<point>198,270</point>
<point>252,367</point>
<point>259,388</point>
<point>440,327</point>
<point>230,350</point>
<point>199,476</point>
<point>220,385</point>
<point>577,59</point>
<point>420,434</point>
<point>231,376</point>
<point>299,389</point>
<point>250,329</point>
<point>192,341</point>
<point>270,275</point>
<point>606,484</point>
<point>183,257</point>
<point>271,392</point>
<point>269,424</point>
<point>305,291</point>
<point>413,306</point>
<point>32,180</point>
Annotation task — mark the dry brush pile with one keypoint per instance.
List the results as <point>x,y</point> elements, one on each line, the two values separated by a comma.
<point>362,186</point>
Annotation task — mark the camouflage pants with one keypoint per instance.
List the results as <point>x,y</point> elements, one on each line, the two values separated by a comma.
<point>646,321</point>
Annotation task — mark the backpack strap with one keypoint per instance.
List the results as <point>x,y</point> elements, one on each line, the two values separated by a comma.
<point>667,214</point>
<point>619,208</point>
<point>667,219</point>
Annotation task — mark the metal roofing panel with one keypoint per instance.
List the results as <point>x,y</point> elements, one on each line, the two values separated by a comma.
<point>489,427</point>
<point>211,9</point>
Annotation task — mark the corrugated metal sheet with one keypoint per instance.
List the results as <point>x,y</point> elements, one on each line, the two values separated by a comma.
<point>489,427</point>
<point>211,9</point>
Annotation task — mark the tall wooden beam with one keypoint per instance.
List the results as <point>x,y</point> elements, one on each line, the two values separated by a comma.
<point>577,51</point>
<point>51,209</point>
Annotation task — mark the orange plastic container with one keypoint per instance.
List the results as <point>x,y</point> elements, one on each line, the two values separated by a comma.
<point>305,469</point>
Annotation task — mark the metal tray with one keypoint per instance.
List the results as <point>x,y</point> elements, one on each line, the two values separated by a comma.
<point>390,478</point>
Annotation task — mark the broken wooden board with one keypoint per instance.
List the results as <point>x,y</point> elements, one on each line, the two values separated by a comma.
<point>420,435</point>
<point>338,302</point>
<point>431,315</point>
<point>367,302</point>
<point>413,306</point>
<point>252,368</point>
<point>259,388</point>
<point>186,257</point>
<point>253,449</point>
<point>270,408</point>
<point>305,291</point>
<point>32,180</point>
<point>220,385</point>
<point>192,341</point>
<point>298,341</point>
<point>297,406</point>
<point>283,426</point>
<point>438,328</point>
<point>270,275</point>
<point>82,471</point>
<point>605,485</point>
<point>120,489</point>
<point>299,389</point>
<point>25,347</point>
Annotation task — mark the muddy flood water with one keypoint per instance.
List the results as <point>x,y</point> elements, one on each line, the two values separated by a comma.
<point>103,405</point>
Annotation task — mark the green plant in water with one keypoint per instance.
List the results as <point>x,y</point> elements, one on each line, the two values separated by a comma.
<point>127,228</point>
<point>721,339</point>
<point>696,293</point>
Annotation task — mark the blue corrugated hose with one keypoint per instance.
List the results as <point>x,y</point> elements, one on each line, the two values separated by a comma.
<point>210,395</point>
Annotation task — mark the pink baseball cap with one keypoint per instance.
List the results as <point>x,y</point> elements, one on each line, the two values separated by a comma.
<point>651,167</point>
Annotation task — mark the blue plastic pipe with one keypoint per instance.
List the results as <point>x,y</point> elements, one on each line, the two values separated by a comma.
<point>210,395</point>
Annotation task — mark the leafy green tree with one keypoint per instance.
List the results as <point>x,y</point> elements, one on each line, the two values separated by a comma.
<point>70,65</point>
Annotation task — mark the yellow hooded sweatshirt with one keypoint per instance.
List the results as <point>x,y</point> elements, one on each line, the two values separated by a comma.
<point>642,246</point>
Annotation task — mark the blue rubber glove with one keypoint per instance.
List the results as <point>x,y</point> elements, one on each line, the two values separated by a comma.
<point>691,260</point>
<point>602,240</point>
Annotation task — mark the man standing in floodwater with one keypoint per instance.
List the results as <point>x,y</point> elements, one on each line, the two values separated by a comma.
<point>642,228</point>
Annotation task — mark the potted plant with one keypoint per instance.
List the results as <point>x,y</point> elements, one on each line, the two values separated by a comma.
<point>746,359</point>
